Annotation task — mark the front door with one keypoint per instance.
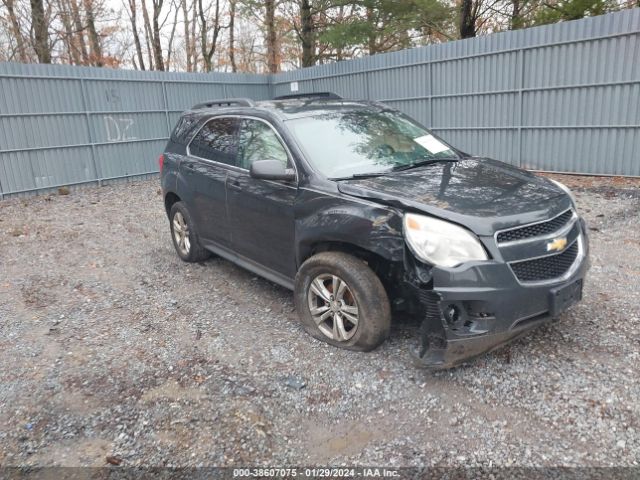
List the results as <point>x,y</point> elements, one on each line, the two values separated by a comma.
<point>261,212</point>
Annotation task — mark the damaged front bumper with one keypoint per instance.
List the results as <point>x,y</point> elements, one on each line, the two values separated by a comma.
<point>477,307</point>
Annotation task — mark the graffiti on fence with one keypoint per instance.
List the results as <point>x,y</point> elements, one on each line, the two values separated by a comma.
<point>118,128</point>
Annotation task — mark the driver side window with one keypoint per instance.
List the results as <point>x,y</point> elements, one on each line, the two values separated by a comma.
<point>258,141</point>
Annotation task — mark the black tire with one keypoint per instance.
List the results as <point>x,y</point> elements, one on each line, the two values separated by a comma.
<point>195,252</point>
<point>374,312</point>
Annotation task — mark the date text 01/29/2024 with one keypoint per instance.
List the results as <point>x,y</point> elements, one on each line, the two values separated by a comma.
<point>316,472</point>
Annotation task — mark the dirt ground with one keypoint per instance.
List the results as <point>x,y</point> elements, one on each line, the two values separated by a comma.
<point>113,351</point>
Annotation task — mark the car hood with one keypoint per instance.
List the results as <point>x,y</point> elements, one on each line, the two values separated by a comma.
<point>482,194</point>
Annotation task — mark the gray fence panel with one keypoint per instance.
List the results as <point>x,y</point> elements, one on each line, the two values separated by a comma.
<point>62,125</point>
<point>126,159</point>
<point>562,97</point>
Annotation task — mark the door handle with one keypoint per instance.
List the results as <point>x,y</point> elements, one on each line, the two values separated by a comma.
<point>234,185</point>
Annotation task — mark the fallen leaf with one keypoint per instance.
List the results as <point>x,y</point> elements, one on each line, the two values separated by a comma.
<point>113,460</point>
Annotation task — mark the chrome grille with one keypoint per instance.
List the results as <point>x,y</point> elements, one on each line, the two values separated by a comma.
<point>546,268</point>
<point>535,230</point>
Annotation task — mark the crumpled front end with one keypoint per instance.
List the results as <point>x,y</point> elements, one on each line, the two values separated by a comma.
<point>478,306</point>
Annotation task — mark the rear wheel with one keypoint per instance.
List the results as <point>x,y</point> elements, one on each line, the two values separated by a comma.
<point>184,235</point>
<point>341,301</point>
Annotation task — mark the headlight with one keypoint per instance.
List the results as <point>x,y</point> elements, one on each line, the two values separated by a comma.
<point>565,189</point>
<point>441,243</point>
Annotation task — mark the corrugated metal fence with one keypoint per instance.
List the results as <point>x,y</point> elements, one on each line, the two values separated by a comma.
<point>562,97</point>
<point>62,125</point>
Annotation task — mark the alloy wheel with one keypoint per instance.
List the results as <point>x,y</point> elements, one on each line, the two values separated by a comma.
<point>333,307</point>
<point>181,234</point>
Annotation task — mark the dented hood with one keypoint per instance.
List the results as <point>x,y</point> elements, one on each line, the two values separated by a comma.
<point>482,194</point>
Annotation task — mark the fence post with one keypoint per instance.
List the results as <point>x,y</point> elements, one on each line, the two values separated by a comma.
<point>1,194</point>
<point>89,130</point>
<point>430,93</point>
<point>520,57</point>
<point>166,107</point>
<point>367,75</point>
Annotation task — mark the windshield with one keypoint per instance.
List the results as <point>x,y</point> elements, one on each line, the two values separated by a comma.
<point>357,142</point>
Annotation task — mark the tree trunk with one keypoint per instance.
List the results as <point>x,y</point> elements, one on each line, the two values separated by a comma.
<point>69,38</point>
<point>339,48</point>
<point>136,36</point>
<point>171,37</point>
<point>94,39</point>
<point>371,38</point>
<point>307,34</point>
<point>232,39</point>
<point>79,37</point>
<point>194,25</point>
<point>40,31</point>
<point>15,30</point>
<point>147,34</point>
<point>187,37</point>
<point>272,47</point>
<point>157,46</point>
<point>467,20</point>
<point>209,50</point>
<point>203,38</point>
<point>516,20</point>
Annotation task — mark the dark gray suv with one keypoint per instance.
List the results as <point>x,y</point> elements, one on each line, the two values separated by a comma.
<point>361,211</point>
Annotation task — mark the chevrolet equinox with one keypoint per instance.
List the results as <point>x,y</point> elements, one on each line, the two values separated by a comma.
<point>362,211</point>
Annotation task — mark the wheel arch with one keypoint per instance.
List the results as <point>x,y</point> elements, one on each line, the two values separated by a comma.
<point>344,247</point>
<point>170,199</point>
<point>383,266</point>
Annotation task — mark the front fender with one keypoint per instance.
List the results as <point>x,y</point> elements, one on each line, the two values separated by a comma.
<point>372,227</point>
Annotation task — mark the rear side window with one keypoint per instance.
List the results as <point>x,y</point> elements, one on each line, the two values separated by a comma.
<point>183,129</point>
<point>258,141</point>
<point>216,141</point>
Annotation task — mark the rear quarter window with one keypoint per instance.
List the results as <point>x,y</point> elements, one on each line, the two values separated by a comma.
<point>184,128</point>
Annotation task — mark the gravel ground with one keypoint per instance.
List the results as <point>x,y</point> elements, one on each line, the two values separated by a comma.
<point>113,350</point>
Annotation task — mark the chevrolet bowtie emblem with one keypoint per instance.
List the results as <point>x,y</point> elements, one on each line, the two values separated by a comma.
<point>557,244</point>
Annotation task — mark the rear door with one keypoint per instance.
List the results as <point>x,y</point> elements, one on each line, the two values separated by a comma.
<point>210,155</point>
<point>261,211</point>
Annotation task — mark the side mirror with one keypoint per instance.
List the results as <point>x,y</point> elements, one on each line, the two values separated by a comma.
<point>271,170</point>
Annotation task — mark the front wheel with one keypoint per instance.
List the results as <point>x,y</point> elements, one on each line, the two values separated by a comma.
<point>341,301</point>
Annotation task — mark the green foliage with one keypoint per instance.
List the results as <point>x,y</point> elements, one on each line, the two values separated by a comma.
<point>563,10</point>
<point>354,31</point>
<point>383,25</point>
<point>434,15</point>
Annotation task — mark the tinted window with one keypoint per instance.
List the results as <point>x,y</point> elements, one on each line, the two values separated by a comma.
<point>184,129</point>
<point>258,141</point>
<point>344,143</point>
<point>216,141</point>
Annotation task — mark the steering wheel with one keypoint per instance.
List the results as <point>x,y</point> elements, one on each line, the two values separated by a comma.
<point>384,150</point>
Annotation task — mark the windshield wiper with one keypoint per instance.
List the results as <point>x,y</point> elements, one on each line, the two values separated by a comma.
<point>422,163</point>
<point>364,175</point>
<point>398,168</point>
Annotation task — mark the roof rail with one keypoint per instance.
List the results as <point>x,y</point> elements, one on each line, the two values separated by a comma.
<point>311,96</point>
<point>379,104</point>
<point>225,102</point>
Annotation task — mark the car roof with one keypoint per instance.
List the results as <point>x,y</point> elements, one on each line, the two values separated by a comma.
<point>288,108</point>
<point>304,107</point>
